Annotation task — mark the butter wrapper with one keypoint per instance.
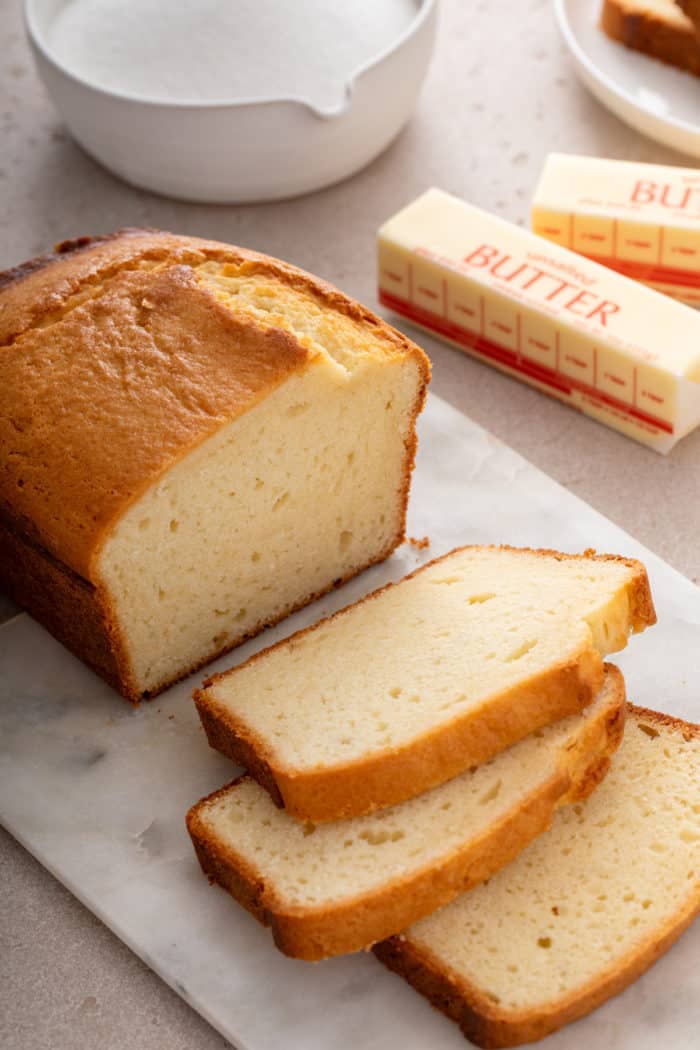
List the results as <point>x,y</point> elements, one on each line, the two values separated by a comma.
<point>600,342</point>
<point>642,220</point>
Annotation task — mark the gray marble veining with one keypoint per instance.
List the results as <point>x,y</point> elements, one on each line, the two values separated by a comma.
<point>98,791</point>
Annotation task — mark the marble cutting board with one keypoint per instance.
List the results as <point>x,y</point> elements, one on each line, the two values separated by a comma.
<point>97,791</point>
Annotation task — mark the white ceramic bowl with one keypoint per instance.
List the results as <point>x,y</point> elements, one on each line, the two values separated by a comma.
<point>240,151</point>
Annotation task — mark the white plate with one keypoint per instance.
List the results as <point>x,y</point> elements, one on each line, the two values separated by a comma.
<point>98,791</point>
<point>656,99</point>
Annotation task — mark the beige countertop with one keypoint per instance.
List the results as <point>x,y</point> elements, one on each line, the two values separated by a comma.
<point>501,94</point>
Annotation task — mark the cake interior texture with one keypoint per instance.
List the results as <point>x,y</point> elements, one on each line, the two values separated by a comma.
<point>425,652</point>
<point>301,491</point>
<point>600,895</point>
<point>304,865</point>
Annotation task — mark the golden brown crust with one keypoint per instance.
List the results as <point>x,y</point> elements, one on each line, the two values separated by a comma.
<point>63,602</point>
<point>123,382</point>
<point>116,362</point>
<point>692,9</point>
<point>100,374</point>
<point>354,924</point>
<point>672,39</point>
<point>316,933</point>
<point>688,730</point>
<point>642,611</point>
<point>37,291</point>
<point>393,776</point>
<point>33,291</point>
<point>481,1019</point>
<point>588,760</point>
<point>239,880</point>
<point>60,251</point>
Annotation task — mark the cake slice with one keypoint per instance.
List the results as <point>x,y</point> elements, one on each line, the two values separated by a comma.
<point>583,911</point>
<point>338,887</point>
<point>658,28</point>
<point>425,678</point>
<point>195,441</point>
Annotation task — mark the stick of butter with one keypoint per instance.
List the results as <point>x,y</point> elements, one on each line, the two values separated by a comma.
<point>604,344</point>
<point>642,220</point>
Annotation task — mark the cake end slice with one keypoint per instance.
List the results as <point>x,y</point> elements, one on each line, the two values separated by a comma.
<point>657,28</point>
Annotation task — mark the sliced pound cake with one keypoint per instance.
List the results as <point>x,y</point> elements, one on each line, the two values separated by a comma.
<point>583,911</point>
<point>425,678</point>
<point>332,888</point>
<point>196,440</point>
<point>658,28</point>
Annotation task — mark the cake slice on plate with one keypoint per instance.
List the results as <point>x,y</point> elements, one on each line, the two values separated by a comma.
<point>657,28</point>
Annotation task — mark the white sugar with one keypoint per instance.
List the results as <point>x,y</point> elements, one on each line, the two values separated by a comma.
<point>221,49</point>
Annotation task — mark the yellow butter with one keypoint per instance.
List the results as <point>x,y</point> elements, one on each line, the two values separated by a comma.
<point>602,343</point>
<point>642,220</point>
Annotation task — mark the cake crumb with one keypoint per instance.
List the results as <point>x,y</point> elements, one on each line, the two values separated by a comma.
<point>419,544</point>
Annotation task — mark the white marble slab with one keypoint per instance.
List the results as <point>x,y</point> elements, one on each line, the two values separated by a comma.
<point>97,791</point>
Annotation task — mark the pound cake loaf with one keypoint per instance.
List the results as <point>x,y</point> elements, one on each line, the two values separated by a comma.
<point>332,888</point>
<point>583,911</point>
<point>425,678</point>
<point>195,441</point>
<point>658,28</point>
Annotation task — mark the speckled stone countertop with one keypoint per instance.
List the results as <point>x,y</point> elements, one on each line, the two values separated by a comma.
<point>500,95</point>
